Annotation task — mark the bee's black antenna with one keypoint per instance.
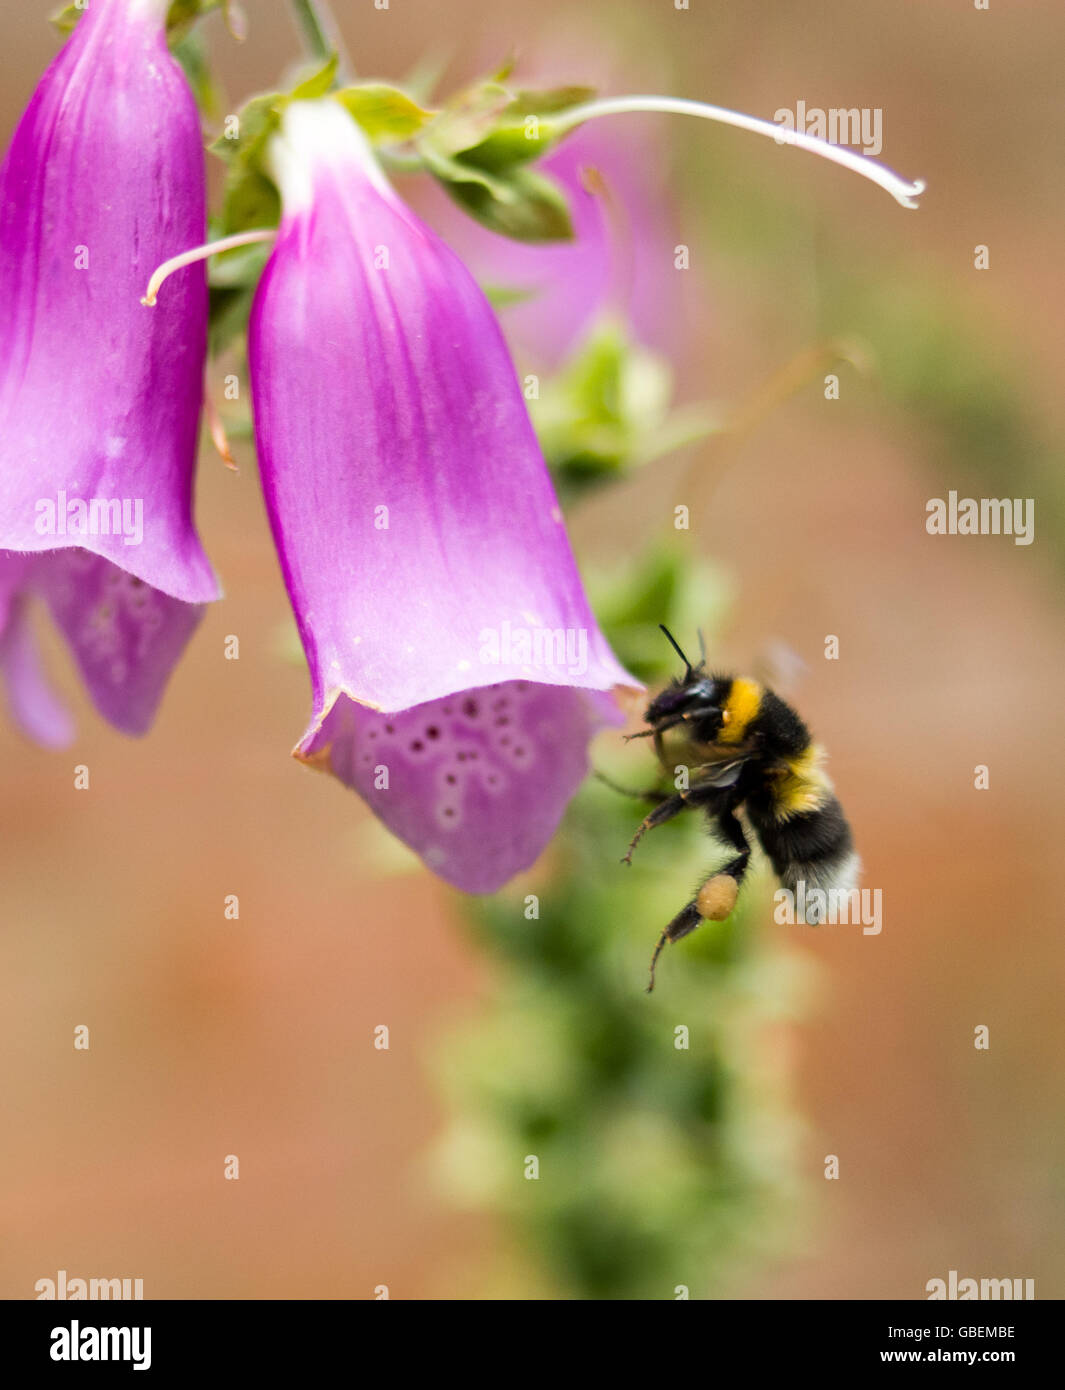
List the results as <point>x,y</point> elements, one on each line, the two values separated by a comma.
<point>676,647</point>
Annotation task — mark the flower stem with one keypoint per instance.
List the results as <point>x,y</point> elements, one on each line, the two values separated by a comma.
<point>321,37</point>
<point>200,253</point>
<point>902,190</point>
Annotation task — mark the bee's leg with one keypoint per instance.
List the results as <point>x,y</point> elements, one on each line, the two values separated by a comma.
<point>716,896</point>
<point>653,794</point>
<point>666,810</point>
<point>686,920</point>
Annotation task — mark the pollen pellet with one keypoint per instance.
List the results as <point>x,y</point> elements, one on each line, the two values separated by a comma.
<point>717,898</point>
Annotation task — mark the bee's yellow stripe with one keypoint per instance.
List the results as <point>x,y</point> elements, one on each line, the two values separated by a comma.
<point>743,703</point>
<point>804,786</point>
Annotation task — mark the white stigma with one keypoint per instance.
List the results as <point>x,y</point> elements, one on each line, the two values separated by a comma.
<point>201,253</point>
<point>904,191</point>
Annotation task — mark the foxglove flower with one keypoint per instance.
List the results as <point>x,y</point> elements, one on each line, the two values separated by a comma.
<point>457,671</point>
<point>99,396</point>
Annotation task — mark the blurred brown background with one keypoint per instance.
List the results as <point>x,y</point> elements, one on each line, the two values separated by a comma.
<point>254,1037</point>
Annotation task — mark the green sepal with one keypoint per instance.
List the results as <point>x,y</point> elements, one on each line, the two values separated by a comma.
<point>65,19</point>
<point>183,14</point>
<point>479,146</point>
<point>467,119</point>
<point>517,203</point>
<point>386,114</point>
<point>524,130</point>
<point>180,17</point>
<point>318,83</point>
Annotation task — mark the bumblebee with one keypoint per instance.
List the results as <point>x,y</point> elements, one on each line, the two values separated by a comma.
<point>744,748</point>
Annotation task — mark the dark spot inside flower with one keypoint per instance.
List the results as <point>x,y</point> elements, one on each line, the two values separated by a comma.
<point>461,757</point>
<point>390,728</point>
<point>451,778</point>
<point>523,686</point>
<point>135,583</point>
<point>417,746</point>
<point>502,720</point>
<point>469,709</point>
<point>449,810</point>
<point>432,732</point>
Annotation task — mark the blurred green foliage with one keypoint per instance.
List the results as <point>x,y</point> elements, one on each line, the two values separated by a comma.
<point>662,1167</point>
<point>962,382</point>
<point>609,410</point>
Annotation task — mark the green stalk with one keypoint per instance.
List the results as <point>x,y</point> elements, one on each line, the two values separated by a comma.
<point>316,28</point>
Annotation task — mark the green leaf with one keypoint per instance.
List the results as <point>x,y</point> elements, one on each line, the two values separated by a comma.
<point>386,114</point>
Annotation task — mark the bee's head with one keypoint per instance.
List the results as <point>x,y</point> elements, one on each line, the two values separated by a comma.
<point>696,697</point>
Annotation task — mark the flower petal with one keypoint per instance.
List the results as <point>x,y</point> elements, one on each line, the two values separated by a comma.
<point>412,510</point>
<point>34,705</point>
<point>126,636</point>
<point>475,783</point>
<point>100,396</point>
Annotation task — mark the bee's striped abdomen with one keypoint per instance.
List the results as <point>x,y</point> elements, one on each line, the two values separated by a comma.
<point>801,826</point>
